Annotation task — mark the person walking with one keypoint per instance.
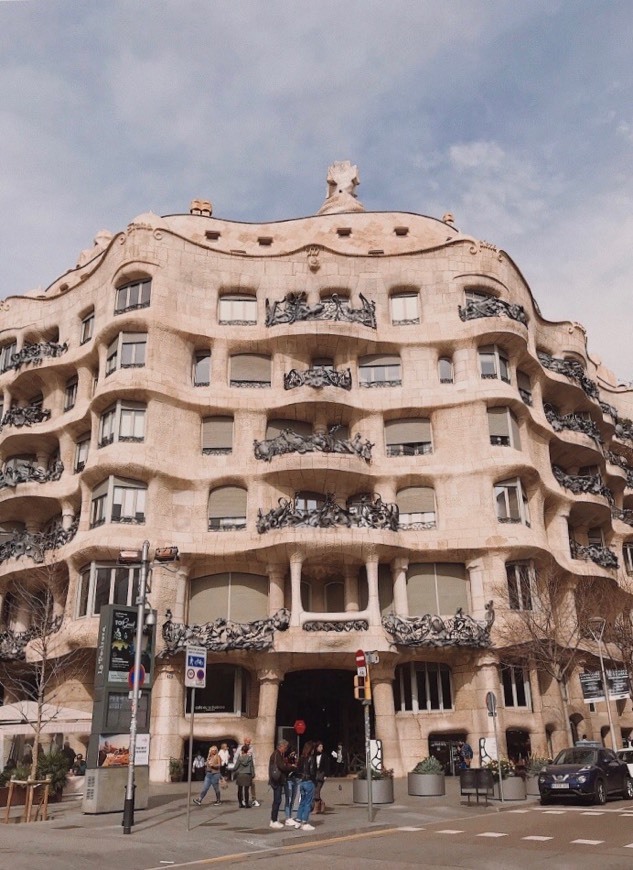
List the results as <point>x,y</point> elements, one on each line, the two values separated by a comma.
<point>244,771</point>
<point>322,772</point>
<point>212,777</point>
<point>291,789</point>
<point>307,781</point>
<point>278,769</point>
<point>248,742</point>
<point>197,766</point>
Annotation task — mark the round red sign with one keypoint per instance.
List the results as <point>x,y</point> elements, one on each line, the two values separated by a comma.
<point>300,726</point>
<point>360,659</point>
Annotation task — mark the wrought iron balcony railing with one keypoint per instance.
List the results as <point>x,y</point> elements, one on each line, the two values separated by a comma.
<point>373,514</point>
<point>572,370</point>
<point>36,544</point>
<point>294,309</point>
<point>620,461</point>
<point>437,631</point>
<point>572,422</point>
<point>36,353</point>
<point>492,307</point>
<point>13,643</point>
<point>291,442</point>
<point>580,485</point>
<point>28,472</point>
<point>27,416</point>
<point>318,377</point>
<point>223,634</point>
<point>602,556</point>
<point>624,515</point>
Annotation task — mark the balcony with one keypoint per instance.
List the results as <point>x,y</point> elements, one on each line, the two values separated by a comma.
<point>374,514</point>
<point>291,442</point>
<point>27,416</point>
<point>492,307</point>
<point>295,309</point>
<point>572,370</point>
<point>571,422</point>
<point>36,353</point>
<point>223,635</point>
<point>440,631</point>
<point>602,556</point>
<point>13,475</point>
<point>581,485</point>
<point>318,377</point>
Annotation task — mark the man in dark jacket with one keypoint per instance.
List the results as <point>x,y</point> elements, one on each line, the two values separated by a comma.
<point>278,769</point>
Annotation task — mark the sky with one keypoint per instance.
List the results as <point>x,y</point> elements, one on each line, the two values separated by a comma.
<point>517,117</point>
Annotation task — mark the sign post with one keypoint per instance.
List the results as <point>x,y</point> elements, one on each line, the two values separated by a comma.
<point>195,678</point>
<point>491,704</point>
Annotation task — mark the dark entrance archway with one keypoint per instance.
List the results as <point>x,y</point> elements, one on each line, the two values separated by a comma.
<point>324,699</point>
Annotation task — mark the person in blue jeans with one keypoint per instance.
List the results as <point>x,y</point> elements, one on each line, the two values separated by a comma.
<point>212,777</point>
<point>306,772</point>
<point>291,789</point>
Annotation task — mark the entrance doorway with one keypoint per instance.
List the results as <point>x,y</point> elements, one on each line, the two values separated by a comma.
<point>444,748</point>
<point>324,699</point>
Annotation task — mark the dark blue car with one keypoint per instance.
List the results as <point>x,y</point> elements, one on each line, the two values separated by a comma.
<point>588,772</point>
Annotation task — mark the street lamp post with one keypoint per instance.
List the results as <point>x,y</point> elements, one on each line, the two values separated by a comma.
<point>596,627</point>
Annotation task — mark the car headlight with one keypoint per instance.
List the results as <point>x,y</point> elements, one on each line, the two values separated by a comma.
<point>582,778</point>
<point>542,777</point>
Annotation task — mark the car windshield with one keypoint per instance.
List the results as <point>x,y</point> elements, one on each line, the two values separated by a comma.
<point>577,755</point>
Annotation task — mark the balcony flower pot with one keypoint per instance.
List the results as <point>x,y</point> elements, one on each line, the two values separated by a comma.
<point>381,788</point>
<point>427,778</point>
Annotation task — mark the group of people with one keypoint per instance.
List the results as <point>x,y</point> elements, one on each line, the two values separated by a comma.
<point>290,776</point>
<point>76,761</point>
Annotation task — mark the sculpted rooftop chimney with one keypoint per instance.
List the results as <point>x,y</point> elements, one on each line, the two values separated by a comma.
<point>342,179</point>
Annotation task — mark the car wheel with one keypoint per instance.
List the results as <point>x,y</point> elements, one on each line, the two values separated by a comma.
<point>627,791</point>
<point>600,793</point>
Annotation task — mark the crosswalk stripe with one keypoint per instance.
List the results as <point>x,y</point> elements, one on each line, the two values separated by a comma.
<point>538,839</point>
<point>587,842</point>
<point>492,834</point>
<point>449,831</point>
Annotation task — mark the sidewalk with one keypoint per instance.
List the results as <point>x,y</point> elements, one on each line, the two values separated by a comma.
<point>71,839</point>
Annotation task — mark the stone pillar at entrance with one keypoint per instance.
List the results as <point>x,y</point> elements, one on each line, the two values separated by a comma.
<point>385,718</point>
<point>269,680</point>
<point>487,680</point>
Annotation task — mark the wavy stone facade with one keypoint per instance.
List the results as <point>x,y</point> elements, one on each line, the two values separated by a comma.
<point>403,368</point>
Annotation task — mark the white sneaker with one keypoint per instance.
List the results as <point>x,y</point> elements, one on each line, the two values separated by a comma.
<point>306,827</point>
<point>276,825</point>
<point>255,803</point>
<point>290,823</point>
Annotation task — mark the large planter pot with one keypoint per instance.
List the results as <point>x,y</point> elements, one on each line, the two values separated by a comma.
<point>426,784</point>
<point>531,786</point>
<point>513,789</point>
<point>19,796</point>
<point>381,791</point>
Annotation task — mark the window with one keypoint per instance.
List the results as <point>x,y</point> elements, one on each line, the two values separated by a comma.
<point>227,509</point>
<point>238,309</point>
<point>627,555</point>
<point>250,370</point>
<point>504,428</point>
<point>525,387</point>
<point>87,328</point>
<point>276,427</point>
<point>217,435</point>
<point>477,296</point>
<point>124,421</point>
<point>134,295</point>
<point>421,687</point>
<point>36,401</point>
<point>118,500</point>
<point>416,506</point>
<point>516,686</point>
<point>70,393</point>
<point>493,363</point>
<point>520,577</point>
<point>405,308</point>
<point>311,501</point>
<point>588,471</point>
<point>10,609</point>
<point>202,368</point>
<point>436,588</point>
<point>335,597</point>
<point>233,595</point>
<point>511,502</point>
<point>126,351</point>
<point>379,370</point>
<point>595,538</point>
<point>411,437</point>
<point>6,353</point>
<point>82,448</point>
<point>227,691</point>
<point>445,370</point>
<point>101,584</point>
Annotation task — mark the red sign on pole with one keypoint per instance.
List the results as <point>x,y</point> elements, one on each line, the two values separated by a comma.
<point>360,658</point>
<point>141,677</point>
<point>300,726</point>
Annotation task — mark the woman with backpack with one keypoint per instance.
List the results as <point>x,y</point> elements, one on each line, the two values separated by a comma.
<point>307,771</point>
<point>244,773</point>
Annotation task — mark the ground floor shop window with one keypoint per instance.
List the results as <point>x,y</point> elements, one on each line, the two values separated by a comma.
<point>422,687</point>
<point>226,691</point>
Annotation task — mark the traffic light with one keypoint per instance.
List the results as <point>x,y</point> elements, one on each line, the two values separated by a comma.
<point>362,688</point>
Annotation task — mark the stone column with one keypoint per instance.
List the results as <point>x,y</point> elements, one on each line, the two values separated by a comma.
<point>265,737</point>
<point>385,712</point>
<point>351,589</point>
<point>477,597</point>
<point>487,680</point>
<point>296,561</point>
<point>373,601</point>
<point>220,364</point>
<point>168,699</point>
<point>399,569</point>
<point>68,516</point>
<point>276,582</point>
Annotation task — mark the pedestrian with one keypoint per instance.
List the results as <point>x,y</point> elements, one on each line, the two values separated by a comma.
<point>278,769</point>
<point>322,772</point>
<point>244,771</point>
<point>248,742</point>
<point>225,754</point>
<point>339,758</point>
<point>212,777</point>
<point>291,789</point>
<point>197,766</point>
<point>79,767</point>
<point>69,754</point>
<point>465,754</point>
<point>307,782</point>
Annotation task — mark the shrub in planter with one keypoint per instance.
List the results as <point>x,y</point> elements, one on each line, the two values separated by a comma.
<point>427,778</point>
<point>176,768</point>
<point>381,786</point>
<point>534,766</point>
<point>53,765</point>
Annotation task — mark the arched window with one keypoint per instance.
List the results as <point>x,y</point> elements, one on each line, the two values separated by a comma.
<point>202,368</point>
<point>106,583</point>
<point>379,370</point>
<point>136,294</point>
<point>408,437</point>
<point>127,351</point>
<point>227,509</point>
<point>525,387</point>
<point>511,502</point>
<point>234,595</point>
<point>237,308</point>
<point>504,428</point>
<point>421,687</point>
<point>124,421</point>
<point>515,680</point>
<point>250,370</point>
<point>118,500</point>
<point>416,506</point>
<point>627,555</point>
<point>87,327</point>
<point>436,588</point>
<point>405,308</point>
<point>494,363</point>
<point>227,691</point>
<point>445,370</point>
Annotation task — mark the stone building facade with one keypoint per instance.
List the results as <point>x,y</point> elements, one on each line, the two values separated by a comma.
<point>359,432</point>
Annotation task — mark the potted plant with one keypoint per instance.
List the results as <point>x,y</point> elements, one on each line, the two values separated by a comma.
<point>513,786</point>
<point>54,767</point>
<point>176,768</point>
<point>381,787</point>
<point>534,766</point>
<point>427,778</point>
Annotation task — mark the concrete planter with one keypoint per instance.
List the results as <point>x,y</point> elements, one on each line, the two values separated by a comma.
<point>426,784</point>
<point>381,791</point>
<point>513,789</point>
<point>531,786</point>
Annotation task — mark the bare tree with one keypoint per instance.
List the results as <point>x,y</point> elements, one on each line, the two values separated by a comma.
<point>545,623</point>
<point>618,634</point>
<point>35,662</point>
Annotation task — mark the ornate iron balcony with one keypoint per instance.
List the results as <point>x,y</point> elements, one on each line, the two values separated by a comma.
<point>526,396</point>
<point>13,643</point>
<point>294,309</point>
<point>626,516</point>
<point>291,442</point>
<point>318,377</point>
<point>573,422</point>
<point>492,307</point>
<point>341,626</point>
<point>434,631</point>
<point>223,634</point>
<point>28,416</point>
<point>602,556</point>
<point>27,472</point>
<point>580,485</point>
<point>572,370</point>
<point>36,544</point>
<point>620,461</point>
<point>417,526</point>
<point>374,514</point>
<point>423,448</point>
<point>227,524</point>
<point>35,353</point>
